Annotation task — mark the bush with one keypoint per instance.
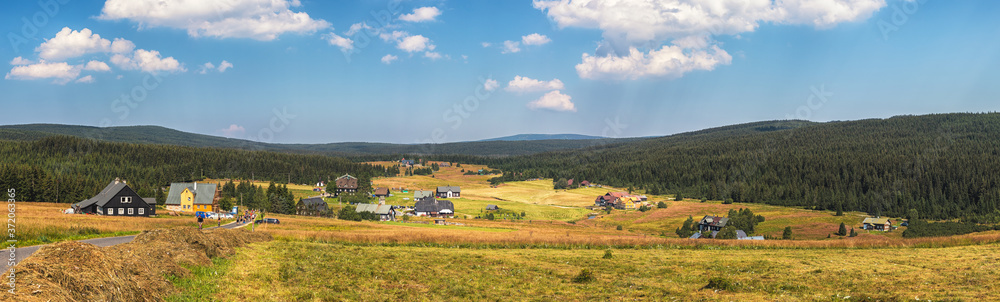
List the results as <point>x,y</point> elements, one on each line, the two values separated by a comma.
<point>644,208</point>
<point>619,228</point>
<point>608,255</point>
<point>661,205</point>
<point>585,276</point>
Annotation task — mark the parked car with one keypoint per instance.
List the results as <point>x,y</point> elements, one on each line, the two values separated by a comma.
<point>268,220</point>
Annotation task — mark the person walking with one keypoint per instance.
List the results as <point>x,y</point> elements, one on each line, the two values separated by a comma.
<point>200,221</point>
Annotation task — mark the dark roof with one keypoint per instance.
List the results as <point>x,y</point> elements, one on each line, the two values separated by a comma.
<point>382,191</point>
<point>492,207</point>
<point>314,201</point>
<point>431,204</point>
<point>714,221</point>
<point>455,189</point>
<point>105,195</point>
<point>347,182</point>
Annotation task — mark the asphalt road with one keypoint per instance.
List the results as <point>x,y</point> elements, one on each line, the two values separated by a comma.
<point>23,252</point>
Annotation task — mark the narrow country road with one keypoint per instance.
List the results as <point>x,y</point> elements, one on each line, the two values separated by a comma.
<point>23,252</point>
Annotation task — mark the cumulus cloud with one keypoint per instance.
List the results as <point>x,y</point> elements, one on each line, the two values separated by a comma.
<point>86,79</point>
<point>61,72</point>
<point>432,55</point>
<point>535,39</point>
<point>387,59</point>
<point>97,66</point>
<point>148,61</point>
<point>526,84</point>
<point>234,130</point>
<point>357,27</point>
<point>421,14</point>
<point>511,46</point>
<point>554,100</point>
<point>255,19</point>
<point>206,67</point>
<point>415,43</point>
<point>69,43</point>
<point>345,44</point>
<point>122,46</point>
<point>491,85</point>
<point>684,30</point>
<point>225,65</point>
<point>20,61</point>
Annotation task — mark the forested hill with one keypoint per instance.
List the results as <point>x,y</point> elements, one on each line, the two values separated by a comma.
<point>538,137</point>
<point>943,165</point>
<point>166,136</point>
<point>70,169</point>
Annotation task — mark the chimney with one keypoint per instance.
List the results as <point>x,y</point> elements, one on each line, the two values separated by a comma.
<point>196,186</point>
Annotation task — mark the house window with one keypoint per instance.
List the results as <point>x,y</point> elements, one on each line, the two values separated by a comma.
<point>131,211</point>
<point>142,211</point>
<point>121,211</point>
<point>126,199</point>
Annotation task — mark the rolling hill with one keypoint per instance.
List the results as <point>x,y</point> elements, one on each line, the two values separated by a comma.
<point>538,137</point>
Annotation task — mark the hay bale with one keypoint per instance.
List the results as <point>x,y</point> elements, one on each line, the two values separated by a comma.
<point>134,271</point>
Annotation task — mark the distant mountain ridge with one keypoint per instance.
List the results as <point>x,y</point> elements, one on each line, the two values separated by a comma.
<point>538,137</point>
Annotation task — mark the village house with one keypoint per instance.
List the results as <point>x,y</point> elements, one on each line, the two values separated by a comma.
<point>444,165</point>
<point>628,203</point>
<point>346,184</point>
<point>381,193</point>
<point>712,223</point>
<point>385,212</point>
<point>406,162</point>
<point>449,192</point>
<point>193,197</point>
<point>584,183</point>
<point>117,199</point>
<point>609,199</point>
<point>876,224</point>
<point>434,208</point>
<point>492,207</point>
<point>420,195</point>
<point>311,206</point>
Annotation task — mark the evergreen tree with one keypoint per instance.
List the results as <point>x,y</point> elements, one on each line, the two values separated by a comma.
<point>843,230</point>
<point>787,233</point>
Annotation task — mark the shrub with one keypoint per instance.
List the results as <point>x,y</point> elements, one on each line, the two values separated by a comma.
<point>608,255</point>
<point>720,283</point>
<point>661,205</point>
<point>644,208</point>
<point>585,276</point>
<point>619,228</point>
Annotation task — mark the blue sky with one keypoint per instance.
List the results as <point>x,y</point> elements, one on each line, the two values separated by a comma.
<point>439,71</point>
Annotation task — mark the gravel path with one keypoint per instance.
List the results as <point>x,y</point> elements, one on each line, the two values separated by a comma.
<point>23,252</point>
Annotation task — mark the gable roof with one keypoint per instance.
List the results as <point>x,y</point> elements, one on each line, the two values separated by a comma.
<point>205,194</point>
<point>492,207</point>
<point>617,194</point>
<point>431,204</point>
<point>876,220</point>
<point>714,221</point>
<point>106,194</point>
<point>313,201</point>
<point>347,182</point>
<point>381,209</point>
<point>422,194</point>
<point>382,191</point>
<point>455,189</point>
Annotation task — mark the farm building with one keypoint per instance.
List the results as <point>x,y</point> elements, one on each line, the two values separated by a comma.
<point>420,195</point>
<point>381,193</point>
<point>712,223</point>
<point>876,224</point>
<point>385,212</point>
<point>492,207</point>
<point>347,184</point>
<point>628,203</point>
<point>434,208</point>
<point>611,198</point>
<point>444,165</point>
<point>584,183</point>
<point>449,192</point>
<point>311,206</point>
<point>193,197</point>
<point>406,162</point>
<point>117,199</point>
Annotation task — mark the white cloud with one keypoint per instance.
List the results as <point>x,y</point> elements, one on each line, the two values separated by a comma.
<point>554,100</point>
<point>255,19</point>
<point>432,55</point>
<point>86,79</point>
<point>224,66</point>
<point>206,67</point>
<point>20,61</point>
<point>357,27</point>
<point>61,72</point>
<point>511,46</point>
<point>387,59</point>
<point>122,46</point>
<point>392,36</point>
<point>660,30</point>
<point>148,61</point>
<point>486,44</point>
<point>97,66</point>
<point>415,44</point>
<point>535,39</point>
<point>69,43</point>
<point>491,85</point>
<point>669,61</point>
<point>345,44</point>
<point>526,84</point>
<point>234,130</point>
<point>422,14</point>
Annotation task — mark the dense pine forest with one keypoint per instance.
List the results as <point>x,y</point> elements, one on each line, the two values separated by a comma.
<point>944,166</point>
<point>68,169</point>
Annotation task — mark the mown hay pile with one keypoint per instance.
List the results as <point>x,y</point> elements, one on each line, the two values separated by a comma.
<point>135,271</point>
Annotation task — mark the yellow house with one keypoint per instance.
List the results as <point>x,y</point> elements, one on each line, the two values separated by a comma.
<point>192,197</point>
<point>629,202</point>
